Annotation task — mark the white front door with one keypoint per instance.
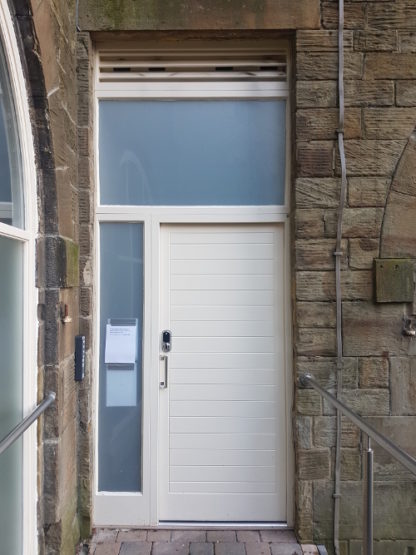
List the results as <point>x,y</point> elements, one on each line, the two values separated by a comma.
<point>222,419</point>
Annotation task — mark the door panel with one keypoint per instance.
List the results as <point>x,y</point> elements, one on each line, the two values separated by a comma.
<point>222,441</point>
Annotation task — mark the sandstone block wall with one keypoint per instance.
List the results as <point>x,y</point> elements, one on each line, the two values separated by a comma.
<point>379,362</point>
<point>46,35</point>
<point>380,119</point>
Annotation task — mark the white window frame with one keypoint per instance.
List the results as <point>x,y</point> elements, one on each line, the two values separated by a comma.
<point>27,237</point>
<point>152,217</point>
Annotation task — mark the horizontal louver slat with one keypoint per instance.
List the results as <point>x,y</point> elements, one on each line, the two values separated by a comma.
<point>207,66</point>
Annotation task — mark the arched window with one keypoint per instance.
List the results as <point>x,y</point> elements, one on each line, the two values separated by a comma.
<point>17,301</point>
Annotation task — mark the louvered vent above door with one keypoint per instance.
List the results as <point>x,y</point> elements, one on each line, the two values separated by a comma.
<point>185,71</point>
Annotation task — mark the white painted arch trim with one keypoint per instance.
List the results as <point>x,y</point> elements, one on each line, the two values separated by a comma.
<point>27,236</point>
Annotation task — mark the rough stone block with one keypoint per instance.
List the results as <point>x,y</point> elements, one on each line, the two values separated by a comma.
<point>362,222</point>
<point>324,370</point>
<point>371,157</point>
<point>388,15</point>
<point>407,41</point>
<point>394,280</point>
<point>398,238</point>
<point>354,15</point>
<point>318,254</point>
<point>321,41</point>
<point>394,514</point>
<point>315,159</point>
<point>389,123</point>
<point>303,493</point>
<point>324,432</point>
<point>308,402</point>
<point>369,93</point>
<point>367,402</point>
<point>316,94</point>
<point>61,260</point>
<point>350,464</point>
<point>310,223</point>
<point>404,180</point>
<point>314,192</point>
<point>373,330</point>
<point>373,372</point>
<point>391,65</point>
<point>303,428</point>
<point>320,315</point>
<point>322,123</point>
<point>406,93</point>
<point>399,429</point>
<point>362,253</point>
<point>316,342</point>
<point>367,191</point>
<point>193,15</point>
<point>325,65</point>
<point>377,41</point>
<point>403,386</point>
<point>320,286</point>
<point>351,510</point>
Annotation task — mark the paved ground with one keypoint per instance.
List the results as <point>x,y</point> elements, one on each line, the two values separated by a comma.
<point>196,542</point>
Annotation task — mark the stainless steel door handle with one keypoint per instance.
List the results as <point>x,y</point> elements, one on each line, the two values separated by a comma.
<point>163,383</point>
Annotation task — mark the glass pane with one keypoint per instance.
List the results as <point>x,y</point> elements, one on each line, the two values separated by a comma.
<point>11,196</point>
<point>192,152</point>
<point>11,361</point>
<point>120,397</point>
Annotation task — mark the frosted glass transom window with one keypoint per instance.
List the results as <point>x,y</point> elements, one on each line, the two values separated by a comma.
<point>192,152</point>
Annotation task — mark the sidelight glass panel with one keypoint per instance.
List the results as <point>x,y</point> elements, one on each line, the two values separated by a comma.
<point>120,389</point>
<point>192,152</point>
<point>11,191</point>
<point>11,371</point>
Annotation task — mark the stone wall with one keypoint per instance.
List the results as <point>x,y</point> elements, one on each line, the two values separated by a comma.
<point>379,362</point>
<point>57,273</point>
<point>380,86</point>
<point>47,36</point>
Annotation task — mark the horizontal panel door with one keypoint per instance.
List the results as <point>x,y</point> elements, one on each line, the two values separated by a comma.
<point>222,441</point>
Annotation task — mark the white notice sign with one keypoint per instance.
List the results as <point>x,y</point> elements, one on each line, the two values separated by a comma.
<point>120,344</point>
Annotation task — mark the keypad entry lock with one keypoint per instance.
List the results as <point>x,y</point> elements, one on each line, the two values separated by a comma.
<point>166,348</point>
<point>166,341</point>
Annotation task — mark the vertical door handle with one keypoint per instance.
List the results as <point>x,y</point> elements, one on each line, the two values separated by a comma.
<point>163,383</point>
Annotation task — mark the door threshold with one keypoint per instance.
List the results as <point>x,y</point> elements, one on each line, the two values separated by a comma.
<point>172,524</point>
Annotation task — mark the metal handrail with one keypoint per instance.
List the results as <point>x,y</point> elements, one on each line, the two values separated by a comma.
<point>395,451</point>
<point>18,430</point>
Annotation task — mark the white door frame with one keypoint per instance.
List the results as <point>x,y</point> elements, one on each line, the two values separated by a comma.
<point>141,509</point>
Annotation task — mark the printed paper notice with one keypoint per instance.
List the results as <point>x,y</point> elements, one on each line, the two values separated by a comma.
<point>120,344</point>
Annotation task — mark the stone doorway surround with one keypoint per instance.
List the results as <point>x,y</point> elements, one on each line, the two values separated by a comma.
<point>107,541</point>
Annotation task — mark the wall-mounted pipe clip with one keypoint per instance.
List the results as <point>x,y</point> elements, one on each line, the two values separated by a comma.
<point>409,327</point>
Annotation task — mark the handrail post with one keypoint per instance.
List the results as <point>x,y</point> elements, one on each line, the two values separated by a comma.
<point>368,507</point>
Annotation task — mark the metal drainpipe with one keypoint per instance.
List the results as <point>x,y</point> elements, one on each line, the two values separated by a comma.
<point>338,259</point>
